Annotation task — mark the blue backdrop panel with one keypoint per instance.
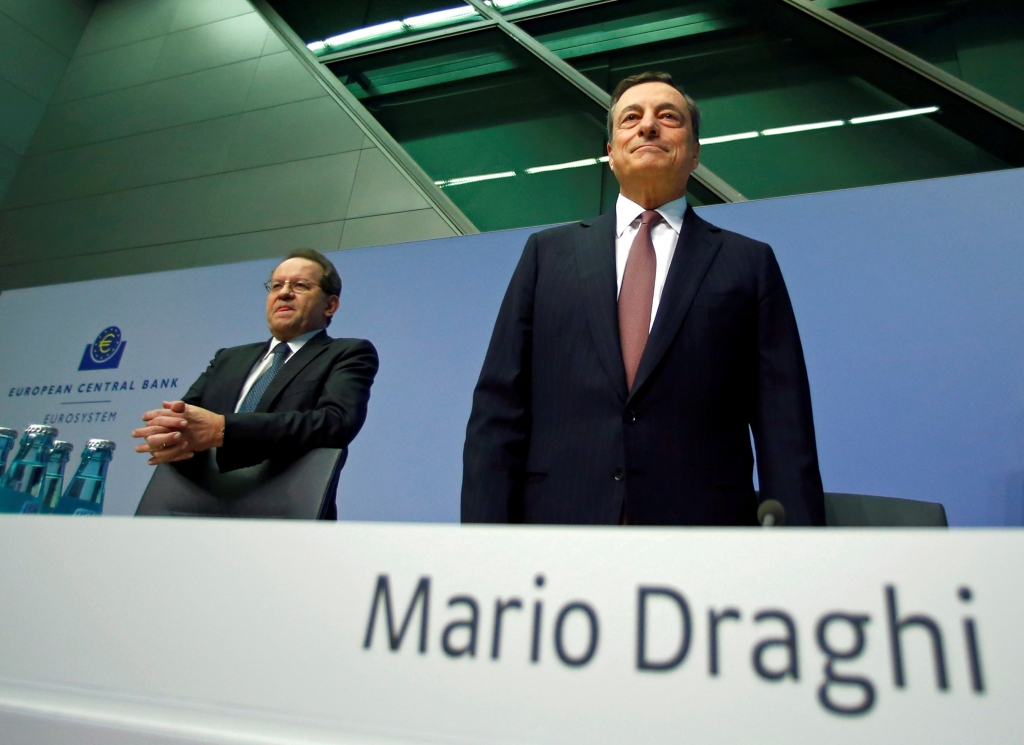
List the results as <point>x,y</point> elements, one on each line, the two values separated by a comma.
<point>909,299</point>
<point>429,308</point>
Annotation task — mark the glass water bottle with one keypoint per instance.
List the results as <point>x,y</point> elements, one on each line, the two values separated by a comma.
<point>53,481</point>
<point>7,438</point>
<point>84,495</point>
<point>20,488</point>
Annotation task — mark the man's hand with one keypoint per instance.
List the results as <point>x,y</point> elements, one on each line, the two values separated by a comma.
<point>178,431</point>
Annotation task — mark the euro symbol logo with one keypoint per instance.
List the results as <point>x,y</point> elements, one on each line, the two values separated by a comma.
<point>105,352</point>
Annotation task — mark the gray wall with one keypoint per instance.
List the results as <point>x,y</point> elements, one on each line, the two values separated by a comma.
<point>37,39</point>
<point>186,132</point>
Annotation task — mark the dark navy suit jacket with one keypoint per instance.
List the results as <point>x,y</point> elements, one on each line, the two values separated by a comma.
<point>318,399</point>
<point>555,436</point>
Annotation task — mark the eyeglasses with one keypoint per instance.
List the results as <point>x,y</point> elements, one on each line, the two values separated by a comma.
<point>299,286</point>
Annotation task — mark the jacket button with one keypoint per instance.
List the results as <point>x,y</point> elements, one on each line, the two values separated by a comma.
<point>618,474</point>
<point>630,416</point>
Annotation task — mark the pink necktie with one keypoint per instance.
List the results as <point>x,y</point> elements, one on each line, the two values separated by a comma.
<point>636,296</point>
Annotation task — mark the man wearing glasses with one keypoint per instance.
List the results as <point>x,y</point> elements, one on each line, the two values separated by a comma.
<point>299,391</point>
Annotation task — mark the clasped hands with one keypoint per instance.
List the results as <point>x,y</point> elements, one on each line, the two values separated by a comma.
<point>178,431</point>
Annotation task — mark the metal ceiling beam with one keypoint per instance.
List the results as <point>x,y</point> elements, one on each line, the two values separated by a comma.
<point>709,187</point>
<point>463,28</point>
<point>527,14</point>
<point>408,41</point>
<point>384,142</point>
<point>559,66</point>
<point>973,114</point>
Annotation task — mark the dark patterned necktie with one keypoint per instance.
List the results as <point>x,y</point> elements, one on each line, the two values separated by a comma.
<point>636,296</point>
<point>252,398</point>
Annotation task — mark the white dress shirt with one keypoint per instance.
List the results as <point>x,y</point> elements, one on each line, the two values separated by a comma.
<point>664,236</point>
<point>267,360</point>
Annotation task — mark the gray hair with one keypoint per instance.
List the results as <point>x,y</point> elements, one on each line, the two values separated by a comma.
<point>654,77</point>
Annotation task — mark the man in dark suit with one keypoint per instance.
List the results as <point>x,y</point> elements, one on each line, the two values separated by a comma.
<point>634,353</point>
<point>299,391</point>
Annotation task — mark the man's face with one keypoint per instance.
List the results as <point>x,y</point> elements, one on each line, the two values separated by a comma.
<point>290,313</point>
<point>652,143</point>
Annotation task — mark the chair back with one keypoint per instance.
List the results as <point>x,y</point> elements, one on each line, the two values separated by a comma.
<point>303,489</point>
<point>864,510</point>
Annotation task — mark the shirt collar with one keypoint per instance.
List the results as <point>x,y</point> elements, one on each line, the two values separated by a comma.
<point>626,211</point>
<point>295,344</point>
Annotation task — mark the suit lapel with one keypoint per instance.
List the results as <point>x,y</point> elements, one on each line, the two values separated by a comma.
<point>697,247</point>
<point>595,259</point>
<point>310,350</point>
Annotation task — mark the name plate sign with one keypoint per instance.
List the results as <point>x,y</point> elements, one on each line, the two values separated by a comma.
<point>246,631</point>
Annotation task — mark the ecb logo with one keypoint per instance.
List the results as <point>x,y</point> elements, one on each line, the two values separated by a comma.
<point>104,353</point>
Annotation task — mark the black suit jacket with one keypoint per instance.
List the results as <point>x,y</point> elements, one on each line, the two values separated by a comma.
<point>318,399</point>
<point>555,436</point>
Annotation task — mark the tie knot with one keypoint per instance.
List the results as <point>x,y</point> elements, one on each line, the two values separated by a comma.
<point>650,217</point>
<point>281,352</point>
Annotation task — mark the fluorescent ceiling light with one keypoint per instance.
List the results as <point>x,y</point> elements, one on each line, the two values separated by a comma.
<point>563,166</point>
<point>474,179</point>
<point>802,127</point>
<point>392,28</point>
<point>894,115</point>
<point>380,31</point>
<point>706,141</point>
<point>508,174</point>
<point>729,138</point>
<point>439,18</point>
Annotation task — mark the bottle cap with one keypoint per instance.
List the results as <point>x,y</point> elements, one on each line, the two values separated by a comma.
<point>60,446</point>
<point>7,432</point>
<point>43,429</point>
<point>100,445</point>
